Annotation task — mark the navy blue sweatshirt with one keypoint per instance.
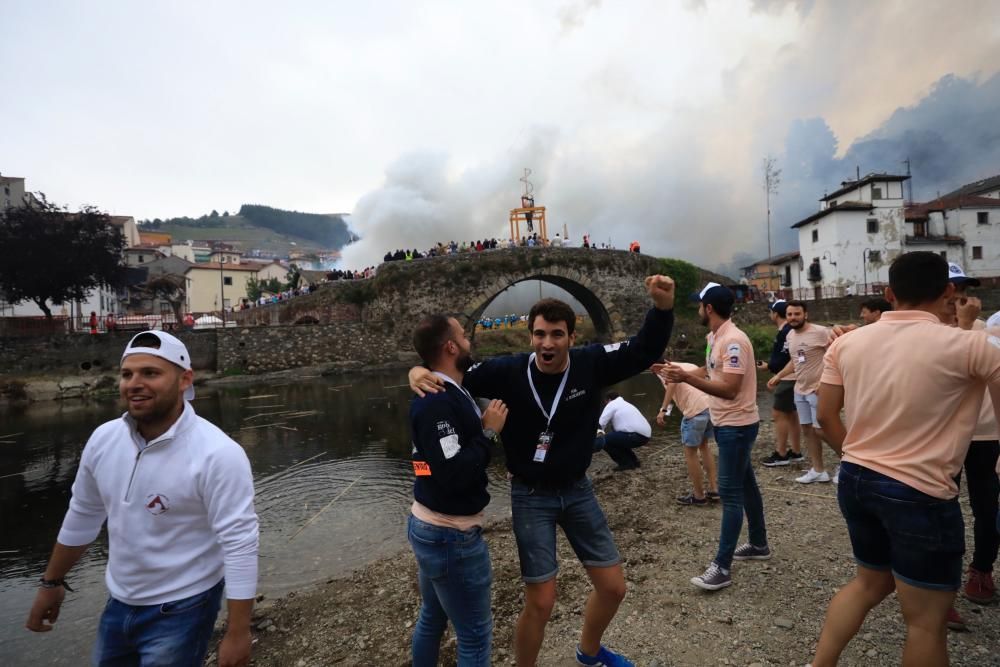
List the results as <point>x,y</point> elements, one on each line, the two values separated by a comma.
<point>575,422</point>
<point>450,453</point>
<point>779,353</point>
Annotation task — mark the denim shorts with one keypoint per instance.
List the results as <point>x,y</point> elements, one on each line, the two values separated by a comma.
<point>696,429</point>
<point>784,396</point>
<point>537,510</point>
<point>896,527</point>
<point>805,404</point>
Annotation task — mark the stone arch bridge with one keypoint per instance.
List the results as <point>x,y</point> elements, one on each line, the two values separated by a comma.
<point>354,324</point>
<point>608,283</point>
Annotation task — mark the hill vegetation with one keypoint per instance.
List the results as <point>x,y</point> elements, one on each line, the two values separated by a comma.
<point>318,229</point>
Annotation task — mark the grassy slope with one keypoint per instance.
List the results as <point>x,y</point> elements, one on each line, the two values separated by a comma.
<point>239,230</point>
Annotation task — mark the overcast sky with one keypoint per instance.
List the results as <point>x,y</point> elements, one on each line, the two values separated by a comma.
<point>643,120</point>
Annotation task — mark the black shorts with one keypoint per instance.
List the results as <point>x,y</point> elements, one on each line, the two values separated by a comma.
<point>784,396</point>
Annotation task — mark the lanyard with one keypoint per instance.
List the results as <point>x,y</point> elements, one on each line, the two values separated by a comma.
<point>475,406</point>
<point>555,401</point>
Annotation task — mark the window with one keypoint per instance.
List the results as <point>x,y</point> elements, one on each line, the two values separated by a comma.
<point>920,229</point>
<point>873,225</point>
<point>876,193</point>
<point>874,256</point>
<point>142,258</point>
<point>815,235</point>
<point>6,189</point>
<point>977,252</point>
<point>787,282</point>
<point>983,217</point>
<point>227,280</point>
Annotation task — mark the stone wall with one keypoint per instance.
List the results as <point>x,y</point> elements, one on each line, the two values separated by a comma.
<point>86,353</point>
<point>349,345</point>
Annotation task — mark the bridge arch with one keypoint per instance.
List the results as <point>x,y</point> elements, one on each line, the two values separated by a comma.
<point>600,305</point>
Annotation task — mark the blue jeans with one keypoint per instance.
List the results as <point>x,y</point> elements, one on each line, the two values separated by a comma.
<point>738,490</point>
<point>455,578</point>
<point>536,510</point>
<point>172,634</point>
<point>895,527</point>
<point>619,446</point>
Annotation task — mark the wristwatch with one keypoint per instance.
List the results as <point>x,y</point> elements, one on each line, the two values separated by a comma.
<point>490,433</point>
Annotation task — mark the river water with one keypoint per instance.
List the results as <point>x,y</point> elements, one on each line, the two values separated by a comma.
<point>310,442</point>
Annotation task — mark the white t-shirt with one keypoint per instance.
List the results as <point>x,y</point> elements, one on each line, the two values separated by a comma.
<point>625,418</point>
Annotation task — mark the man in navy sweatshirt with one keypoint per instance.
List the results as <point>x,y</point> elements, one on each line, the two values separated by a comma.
<point>452,440</point>
<point>554,397</point>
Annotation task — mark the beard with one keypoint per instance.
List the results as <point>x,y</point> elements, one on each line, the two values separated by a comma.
<point>797,325</point>
<point>158,408</point>
<point>704,320</point>
<point>464,362</point>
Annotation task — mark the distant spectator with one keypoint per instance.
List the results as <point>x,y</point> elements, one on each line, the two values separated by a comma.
<point>557,241</point>
<point>109,323</point>
<point>93,322</point>
<point>872,309</point>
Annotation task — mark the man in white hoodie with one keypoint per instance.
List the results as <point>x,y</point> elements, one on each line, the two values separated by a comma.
<point>177,494</point>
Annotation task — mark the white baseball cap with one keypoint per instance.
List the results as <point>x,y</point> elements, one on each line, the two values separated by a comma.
<point>170,348</point>
<point>957,276</point>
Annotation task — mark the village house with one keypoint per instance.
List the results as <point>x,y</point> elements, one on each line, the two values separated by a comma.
<point>847,246</point>
<point>210,284</point>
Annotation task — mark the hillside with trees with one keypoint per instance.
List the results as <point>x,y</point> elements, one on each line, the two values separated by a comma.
<point>254,222</point>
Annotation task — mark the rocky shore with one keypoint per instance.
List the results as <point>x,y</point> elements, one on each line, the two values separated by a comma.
<point>772,614</point>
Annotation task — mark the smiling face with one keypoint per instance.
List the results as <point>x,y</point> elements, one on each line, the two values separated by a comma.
<point>796,317</point>
<point>153,392</point>
<point>551,342</point>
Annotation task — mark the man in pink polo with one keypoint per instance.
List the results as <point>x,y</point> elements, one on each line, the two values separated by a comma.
<point>696,429</point>
<point>731,384</point>
<point>807,343</point>
<point>911,390</point>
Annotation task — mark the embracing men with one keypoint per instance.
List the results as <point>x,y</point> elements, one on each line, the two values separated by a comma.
<point>554,400</point>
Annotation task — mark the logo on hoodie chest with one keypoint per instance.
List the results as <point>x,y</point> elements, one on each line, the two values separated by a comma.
<point>575,393</point>
<point>157,503</point>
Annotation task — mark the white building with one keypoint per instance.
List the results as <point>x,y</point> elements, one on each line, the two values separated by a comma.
<point>847,246</point>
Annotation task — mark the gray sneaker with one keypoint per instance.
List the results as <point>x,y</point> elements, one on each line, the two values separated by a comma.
<point>750,552</point>
<point>713,579</point>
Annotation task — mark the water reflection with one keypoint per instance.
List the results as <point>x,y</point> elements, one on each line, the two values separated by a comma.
<point>333,482</point>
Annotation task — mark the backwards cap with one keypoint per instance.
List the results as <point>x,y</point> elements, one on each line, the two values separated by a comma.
<point>171,348</point>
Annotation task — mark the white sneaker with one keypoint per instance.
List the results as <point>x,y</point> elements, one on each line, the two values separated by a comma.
<point>813,476</point>
<point>836,476</point>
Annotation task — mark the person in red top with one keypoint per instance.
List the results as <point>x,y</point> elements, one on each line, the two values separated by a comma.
<point>109,322</point>
<point>93,322</point>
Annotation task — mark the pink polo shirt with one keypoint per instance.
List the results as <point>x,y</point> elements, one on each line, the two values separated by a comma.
<point>912,394</point>
<point>986,428</point>
<point>690,401</point>
<point>807,349</point>
<point>730,352</point>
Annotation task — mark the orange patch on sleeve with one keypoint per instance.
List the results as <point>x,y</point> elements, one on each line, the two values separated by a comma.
<point>421,469</point>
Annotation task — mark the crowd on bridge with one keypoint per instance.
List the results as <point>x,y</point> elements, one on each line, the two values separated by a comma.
<point>485,245</point>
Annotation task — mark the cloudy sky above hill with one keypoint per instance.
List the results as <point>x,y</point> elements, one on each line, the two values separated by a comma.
<point>645,120</point>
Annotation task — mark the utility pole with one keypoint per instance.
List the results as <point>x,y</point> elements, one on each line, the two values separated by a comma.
<point>909,181</point>
<point>772,178</point>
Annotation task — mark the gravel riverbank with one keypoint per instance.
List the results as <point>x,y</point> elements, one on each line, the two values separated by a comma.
<point>771,615</point>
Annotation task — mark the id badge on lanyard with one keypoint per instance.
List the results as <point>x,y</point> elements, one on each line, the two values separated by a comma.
<point>545,437</point>
<point>542,448</point>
